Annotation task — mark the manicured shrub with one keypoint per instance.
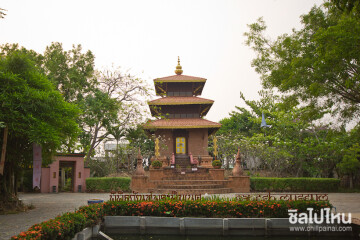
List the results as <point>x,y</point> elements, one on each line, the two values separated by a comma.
<point>216,163</point>
<point>156,164</point>
<point>294,184</point>
<point>107,184</point>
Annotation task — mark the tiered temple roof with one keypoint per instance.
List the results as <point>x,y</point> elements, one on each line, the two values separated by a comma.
<point>179,103</point>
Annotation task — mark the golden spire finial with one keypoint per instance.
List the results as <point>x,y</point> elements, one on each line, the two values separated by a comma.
<point>178,70</point>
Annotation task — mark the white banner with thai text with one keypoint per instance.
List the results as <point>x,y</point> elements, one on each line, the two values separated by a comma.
<point>36,165</point>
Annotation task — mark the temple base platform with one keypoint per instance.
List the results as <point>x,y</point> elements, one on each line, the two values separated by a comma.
<point>189,180</point>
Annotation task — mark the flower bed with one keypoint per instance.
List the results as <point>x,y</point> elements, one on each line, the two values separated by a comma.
<point>67,225</point>
<point>211,209</point>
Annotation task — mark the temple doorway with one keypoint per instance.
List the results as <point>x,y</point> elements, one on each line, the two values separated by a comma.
<point>180,145</point>
<point>66,176</point>
<point>180,137</point>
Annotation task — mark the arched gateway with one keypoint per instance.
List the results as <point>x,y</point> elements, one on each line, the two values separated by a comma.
<point>182,140</point>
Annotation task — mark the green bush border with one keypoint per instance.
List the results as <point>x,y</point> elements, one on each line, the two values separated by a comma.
<point>294,184</point>
<point>107,184</point>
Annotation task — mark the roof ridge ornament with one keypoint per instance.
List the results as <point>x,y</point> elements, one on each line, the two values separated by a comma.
<point>178,70</point>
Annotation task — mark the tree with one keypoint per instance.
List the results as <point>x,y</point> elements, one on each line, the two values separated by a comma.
<point>350,163</point>
<point>318,65</point>
<point>72,72</point>
<point>34,112</point>
<point>347,5</point>
<point>138,139</point>
<point>2,13</point>
<point>238,122</point>
<point>106,98</point>
<point>116,101</point>
<point>293,146</point>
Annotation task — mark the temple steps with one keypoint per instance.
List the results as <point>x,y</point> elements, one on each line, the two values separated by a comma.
<point>189,182</point>
<point>175,187</point>
<point>187,170</point>
<point>193,178</point>
<point>193,191</point>
<point>201,175</point>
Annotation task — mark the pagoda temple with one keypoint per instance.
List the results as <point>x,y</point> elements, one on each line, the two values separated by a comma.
<point>181,142</point>
<point>181,128</point>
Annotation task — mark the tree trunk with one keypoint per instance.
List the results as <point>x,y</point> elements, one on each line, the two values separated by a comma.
<point>117,156</point>
<point>351,181</point>
<point>3,151</point>
<point>93,142</point>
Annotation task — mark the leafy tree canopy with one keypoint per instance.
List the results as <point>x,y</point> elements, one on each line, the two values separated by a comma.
<point>31,107</point>
<point>33,112</point>
<point>317,65</point>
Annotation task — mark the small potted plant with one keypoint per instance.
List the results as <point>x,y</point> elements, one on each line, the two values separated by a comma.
<point>216,164</point>
<point>156,164</point>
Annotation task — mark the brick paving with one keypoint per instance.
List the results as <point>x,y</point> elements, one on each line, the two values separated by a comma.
<point>50,205</point>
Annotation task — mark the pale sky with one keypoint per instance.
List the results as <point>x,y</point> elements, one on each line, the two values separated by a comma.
<point>146,36</point>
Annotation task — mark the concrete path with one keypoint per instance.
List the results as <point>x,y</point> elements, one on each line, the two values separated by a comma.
<point>50,205</point>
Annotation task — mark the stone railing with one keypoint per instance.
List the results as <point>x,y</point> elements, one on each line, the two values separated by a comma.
<point>120,196</point>
<point>283,196</point>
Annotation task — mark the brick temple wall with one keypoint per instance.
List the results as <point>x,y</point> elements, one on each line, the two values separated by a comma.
<point>166,142</point>
<point>197,142</point>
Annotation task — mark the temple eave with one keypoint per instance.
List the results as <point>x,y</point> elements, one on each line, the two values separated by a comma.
<point>180,127</point>
<point>181,124</point>
<point>180,103</point>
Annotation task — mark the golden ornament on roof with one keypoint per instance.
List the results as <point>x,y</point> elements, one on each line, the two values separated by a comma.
<point>178,70</point>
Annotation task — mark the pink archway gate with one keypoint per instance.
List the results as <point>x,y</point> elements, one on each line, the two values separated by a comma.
<point>50,175</point>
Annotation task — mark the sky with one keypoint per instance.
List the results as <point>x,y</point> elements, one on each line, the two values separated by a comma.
<point>145,37</point>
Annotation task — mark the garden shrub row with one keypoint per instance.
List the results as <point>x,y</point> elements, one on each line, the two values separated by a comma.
<point>294,184</point>
<point>107,184</point>
<point>67,225</point>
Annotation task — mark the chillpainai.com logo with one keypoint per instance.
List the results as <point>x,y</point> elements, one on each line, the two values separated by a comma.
<point>320,221</point>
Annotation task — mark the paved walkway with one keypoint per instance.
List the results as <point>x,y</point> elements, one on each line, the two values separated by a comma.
<point>49,205</point>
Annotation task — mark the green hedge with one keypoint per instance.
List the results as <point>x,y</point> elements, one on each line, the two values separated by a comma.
<point>294,184</point>
<point>107,184</point>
